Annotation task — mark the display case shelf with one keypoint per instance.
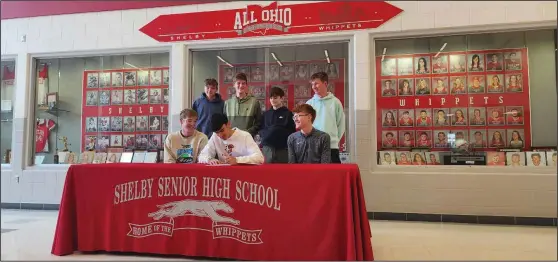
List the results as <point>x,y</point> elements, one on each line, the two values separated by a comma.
<point>53,111</point>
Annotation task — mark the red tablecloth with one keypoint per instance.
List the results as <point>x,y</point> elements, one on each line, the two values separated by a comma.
<point>267,212</point>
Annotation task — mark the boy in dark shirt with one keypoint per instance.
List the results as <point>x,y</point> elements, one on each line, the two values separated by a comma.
<point>275,127</point>
<point>309,145</point>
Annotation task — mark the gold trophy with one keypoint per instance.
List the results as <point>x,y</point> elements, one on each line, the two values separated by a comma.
<point>64,140</point>
<point>64,154</point>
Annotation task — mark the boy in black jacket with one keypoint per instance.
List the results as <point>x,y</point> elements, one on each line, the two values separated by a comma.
<point>275,127</point>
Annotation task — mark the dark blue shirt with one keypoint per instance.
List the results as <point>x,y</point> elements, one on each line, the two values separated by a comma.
<point>205,109</point>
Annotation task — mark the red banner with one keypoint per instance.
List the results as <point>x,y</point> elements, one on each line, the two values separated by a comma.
<point>292,77</point>
<point>479,96</point>
<point>125,108</point>
<point>271,20</point>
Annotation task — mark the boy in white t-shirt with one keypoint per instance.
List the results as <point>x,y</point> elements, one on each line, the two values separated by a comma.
<point>231,145</point>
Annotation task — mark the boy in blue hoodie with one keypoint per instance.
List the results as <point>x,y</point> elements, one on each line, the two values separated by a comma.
<point>275,127</point>
<point>330,117</point>
<point>206,105</point>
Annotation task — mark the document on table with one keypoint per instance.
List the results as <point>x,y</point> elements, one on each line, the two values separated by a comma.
<point>219,165</point>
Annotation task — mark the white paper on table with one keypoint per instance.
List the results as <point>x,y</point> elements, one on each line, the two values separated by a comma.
<point>219,165</point>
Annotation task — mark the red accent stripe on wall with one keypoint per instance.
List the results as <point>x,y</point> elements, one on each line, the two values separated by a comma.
<point>21,9</point>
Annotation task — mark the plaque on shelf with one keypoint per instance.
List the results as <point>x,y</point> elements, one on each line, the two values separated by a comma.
<point>465,159</point>
<point>150,157</point>
<point>127,157</point>
<point>70,158</point>
<point>87,157</point>
<point>100,158</point>
<point>62,156</point>
<point>113,157</point>
<point>139,157</point>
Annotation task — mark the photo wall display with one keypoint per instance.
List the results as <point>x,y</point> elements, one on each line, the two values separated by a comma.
<point>125,108</point>
<point>510,159</point>
<point>292,77</point>
<point>436,101</point>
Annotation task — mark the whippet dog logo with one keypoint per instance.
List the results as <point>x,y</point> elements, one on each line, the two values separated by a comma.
<point>222,226</point>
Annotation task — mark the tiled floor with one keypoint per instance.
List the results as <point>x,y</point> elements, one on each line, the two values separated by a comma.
<point>32,240</point>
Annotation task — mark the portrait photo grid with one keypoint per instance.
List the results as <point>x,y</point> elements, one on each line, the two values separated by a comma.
<point>125,108</point>
<point>479,96</point>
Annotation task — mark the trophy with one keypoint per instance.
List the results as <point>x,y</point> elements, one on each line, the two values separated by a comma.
<point>63,155</point>
<point>64,140</point>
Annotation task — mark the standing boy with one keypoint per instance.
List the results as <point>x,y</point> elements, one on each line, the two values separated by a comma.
<point>206,105</point>
<point>243,110</point>
<point>330,117</point>
<point>275,127</point>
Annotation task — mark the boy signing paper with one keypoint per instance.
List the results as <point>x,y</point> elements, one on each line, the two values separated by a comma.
<point>231,145</point>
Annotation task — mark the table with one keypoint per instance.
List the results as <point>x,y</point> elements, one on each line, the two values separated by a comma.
<point>265,212</point>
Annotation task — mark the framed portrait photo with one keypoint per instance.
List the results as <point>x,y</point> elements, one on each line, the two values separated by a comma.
<point>440,64</point>
<point>387,158</point>
<point>515,159</point>
<point>536,159</point>
<point>389,67</point>
<point>405,66</point>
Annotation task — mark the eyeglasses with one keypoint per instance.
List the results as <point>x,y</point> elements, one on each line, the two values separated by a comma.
<point>295,117</point>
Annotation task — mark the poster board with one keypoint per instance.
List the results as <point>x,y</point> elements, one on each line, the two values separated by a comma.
<point>125,108</point>
<point>489,88</point>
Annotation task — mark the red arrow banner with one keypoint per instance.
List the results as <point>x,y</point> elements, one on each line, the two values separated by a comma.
<point>274,19</point>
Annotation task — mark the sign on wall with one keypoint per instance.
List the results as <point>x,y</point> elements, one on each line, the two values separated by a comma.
<point>274,19</point>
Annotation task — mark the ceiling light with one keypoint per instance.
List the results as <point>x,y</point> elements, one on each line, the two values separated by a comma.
<point>441,49</point>
<point>276,59</point>
<point>224,61</point>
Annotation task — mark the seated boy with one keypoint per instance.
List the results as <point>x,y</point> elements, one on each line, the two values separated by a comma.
<point>309,145</point>
<point>231,145</point>
<point>185,145</point>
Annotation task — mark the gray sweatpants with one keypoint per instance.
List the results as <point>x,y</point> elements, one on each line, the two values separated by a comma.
<point>273,155</point>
